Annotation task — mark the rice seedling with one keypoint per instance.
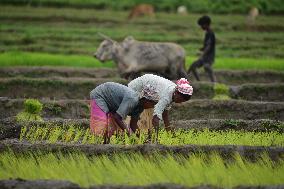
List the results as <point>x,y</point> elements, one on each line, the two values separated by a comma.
<point>43,59</point>
<point>178,137</point>
<point>32,111</point>
<point>221,92</point>
<point>136,169</point>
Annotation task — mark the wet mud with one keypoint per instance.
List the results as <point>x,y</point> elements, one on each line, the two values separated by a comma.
<point>60,184</point>
<point>230,77</point>
<point>193,109</point>
<point>42,72</point>
<point>68,88</point>
<point>225,151</point>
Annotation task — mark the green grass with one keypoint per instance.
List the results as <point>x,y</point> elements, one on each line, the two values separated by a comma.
<point>246,63</point>
<point>139,170</point>
<point>44,59</point>
<point>221,92</point>
<point>52,134</point>
<point>249,63</point>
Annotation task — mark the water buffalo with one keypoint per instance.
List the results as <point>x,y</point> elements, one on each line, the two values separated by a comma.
<point>133,57</point>
<point>141,10</point>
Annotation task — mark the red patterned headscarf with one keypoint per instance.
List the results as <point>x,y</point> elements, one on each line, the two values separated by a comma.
<point>184,87</point>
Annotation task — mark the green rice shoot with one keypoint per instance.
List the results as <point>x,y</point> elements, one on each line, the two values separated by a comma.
<point>139,170</point>
<point>44,59</point>
<point>178,137</point>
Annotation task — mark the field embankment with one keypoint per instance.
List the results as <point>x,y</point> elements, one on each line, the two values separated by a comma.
<point>194,109</point>
<point>252,152</point>
<point>55,184</point>
<point>230,77</point>
<point>79,88</point>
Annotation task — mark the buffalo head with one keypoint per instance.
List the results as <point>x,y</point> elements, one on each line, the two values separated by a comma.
<point>106,49</point>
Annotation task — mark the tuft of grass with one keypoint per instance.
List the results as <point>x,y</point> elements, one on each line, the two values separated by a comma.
<point>221,97</point>
<point>221,92</point>
<point>33,106</point>
<point>221,89</point>
<point>32,111</point>
<point>136,169</point>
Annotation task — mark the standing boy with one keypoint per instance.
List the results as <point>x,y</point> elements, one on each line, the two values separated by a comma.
<point>207,52</point>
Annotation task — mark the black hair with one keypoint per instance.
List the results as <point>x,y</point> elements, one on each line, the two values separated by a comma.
<point>143,99</point>
<point>186,97</point>
<point>204,20</point>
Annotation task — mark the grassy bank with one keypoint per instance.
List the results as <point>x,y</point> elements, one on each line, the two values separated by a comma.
<point>43,59</point>
<point>139,170</point>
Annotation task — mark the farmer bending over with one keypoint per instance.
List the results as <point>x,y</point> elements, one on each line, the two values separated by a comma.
<point>162,91</point>
<point>110,104</point>
<point>207,52</point>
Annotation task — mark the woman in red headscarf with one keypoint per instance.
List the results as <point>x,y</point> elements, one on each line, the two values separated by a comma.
<point>162,91</point>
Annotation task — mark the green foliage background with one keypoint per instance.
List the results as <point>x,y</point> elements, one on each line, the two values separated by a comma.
<point>211,6</point>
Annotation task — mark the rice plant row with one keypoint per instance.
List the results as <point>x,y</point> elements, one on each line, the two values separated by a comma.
<point>137,169</point>
<point>177,137</point>
<point>44,59</point>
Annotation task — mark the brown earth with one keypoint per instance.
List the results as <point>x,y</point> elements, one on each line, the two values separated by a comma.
<point>230,77</point>
<point>70,88</point>
<point>51,108</point>
<point>193,109</point>
<point>231,109</point>
<point>259,92</point>
<point>225,151</point>
<point>9,128</point>
<point>60,184</point>
<point>236,77</point>
<point>79,88</point>
<point>40,72</point>
<point>256,125</point>
<point>51,88</point>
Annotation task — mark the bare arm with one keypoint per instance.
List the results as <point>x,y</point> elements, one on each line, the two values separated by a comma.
<point>133,124</point>
<point>166,120</point>
<point>118,120</point>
